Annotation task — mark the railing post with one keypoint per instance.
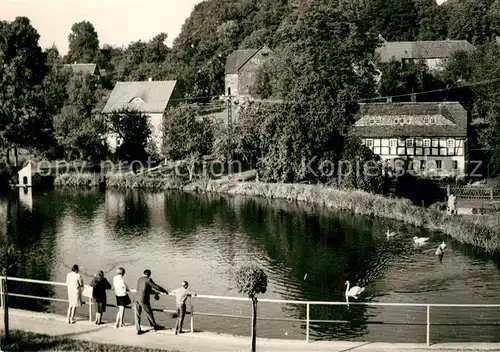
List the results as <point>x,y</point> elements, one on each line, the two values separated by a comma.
<point>192,313</point>
<point>90,309</point>
<point>428,325</point>
<point>2,300</point>
<point>307,322</point>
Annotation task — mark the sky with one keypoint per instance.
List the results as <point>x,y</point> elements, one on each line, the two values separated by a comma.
<point>117,22</point>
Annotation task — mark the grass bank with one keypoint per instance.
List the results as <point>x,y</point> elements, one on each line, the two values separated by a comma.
<point>119,180</point>
<point>27,341</point>
<point>473,230</point>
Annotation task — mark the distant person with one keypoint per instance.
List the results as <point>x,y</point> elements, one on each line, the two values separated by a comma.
<point>181,294</point>
<point>452,204</point>
<point>145,287</point>
<point>122,299</point>
<point>74,282</point>
<point>100,284</point>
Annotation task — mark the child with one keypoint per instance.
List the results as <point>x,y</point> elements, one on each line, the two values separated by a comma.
<point>181,294</point>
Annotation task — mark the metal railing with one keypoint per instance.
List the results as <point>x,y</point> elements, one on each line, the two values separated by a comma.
<point>307,304</point>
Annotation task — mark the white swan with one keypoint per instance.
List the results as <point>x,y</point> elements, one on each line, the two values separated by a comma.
<point>441,248</point>
<point>353,291</point>
<point>420,241</point>
<point>390,234</point>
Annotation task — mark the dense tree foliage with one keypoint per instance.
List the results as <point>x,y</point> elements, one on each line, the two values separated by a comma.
<point>22,70</point>
<point>133,132</point>
<point>322,64</point>
<point>83,43</point>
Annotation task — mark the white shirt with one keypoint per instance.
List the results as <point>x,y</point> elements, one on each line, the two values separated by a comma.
<point>120,286</point>
<point>74,280</point>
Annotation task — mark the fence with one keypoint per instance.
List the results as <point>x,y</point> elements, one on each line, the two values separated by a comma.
<point>473,192</point>
<point>308,305</point>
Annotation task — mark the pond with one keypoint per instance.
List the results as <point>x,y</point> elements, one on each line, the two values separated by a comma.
<point>308,253</point>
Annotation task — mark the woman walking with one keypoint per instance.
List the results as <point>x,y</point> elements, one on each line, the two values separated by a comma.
<point>122,298</point>
<point>74,282</point>
<point>100,284</point>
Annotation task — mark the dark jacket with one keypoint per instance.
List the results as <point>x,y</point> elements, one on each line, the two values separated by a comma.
<point>100,285</point>
<point>145,287</point>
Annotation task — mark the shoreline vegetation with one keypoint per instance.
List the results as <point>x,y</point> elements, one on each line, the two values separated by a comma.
<point>472,230</point>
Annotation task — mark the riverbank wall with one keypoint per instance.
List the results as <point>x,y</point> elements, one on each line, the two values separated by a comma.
<point>472,230</point>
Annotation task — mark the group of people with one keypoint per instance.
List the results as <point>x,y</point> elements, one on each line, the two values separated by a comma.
<point>146,287</point>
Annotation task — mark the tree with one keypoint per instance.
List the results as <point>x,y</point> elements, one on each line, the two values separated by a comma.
<point>83,43</point>
<point>321,68</point>
<point>79,127</point>
<point>22,70</point>
<point>483,102</point>
<point>251,281</point>
<point>395,20</point>
<point>187,135</point>
<point>133,131</point>
<point>469,20</point>
<point>405,78</point>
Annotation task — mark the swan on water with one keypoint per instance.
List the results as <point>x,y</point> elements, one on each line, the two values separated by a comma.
<point>390,234</point>
<point>441,248</point>
<point>353,291</point>
<point>420,241</point>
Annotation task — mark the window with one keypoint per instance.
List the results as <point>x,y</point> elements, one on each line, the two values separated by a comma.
<point>378,120</point>
<point>409,143</point>
<point>442,143</point>
<point>454,165</point>
<point>396,121</point>
<point>427,143</point>
<point>419,151</point>
<point>439,164</point>
<point>385,151</point>
<point>418,142</point>
<point>229,91</point>
<point>371,121</point>
<point>376,142</point>
<point>435,143</point>
<point>442,151</point>
<point>422,164</point>
<point>369,143</point>
<point>450,143</point>
<point>408,121</point>
<point>393,143</point>
<point>385,142</point>
<point>426,120</point>
<point>433,120</point>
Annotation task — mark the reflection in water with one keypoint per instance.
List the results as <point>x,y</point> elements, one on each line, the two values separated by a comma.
<point>307,252</point>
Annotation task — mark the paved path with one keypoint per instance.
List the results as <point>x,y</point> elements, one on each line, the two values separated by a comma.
<point>52,324</point>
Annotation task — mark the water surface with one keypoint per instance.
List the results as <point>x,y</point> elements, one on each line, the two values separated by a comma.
<point>202,238</point>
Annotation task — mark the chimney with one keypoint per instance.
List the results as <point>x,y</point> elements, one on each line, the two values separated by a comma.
<point>389,99</point>
<point>150,79</point>
<point>413,98</point>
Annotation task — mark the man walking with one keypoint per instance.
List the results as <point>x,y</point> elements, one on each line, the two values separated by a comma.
<point>145,287</point>
<point>181,294</point>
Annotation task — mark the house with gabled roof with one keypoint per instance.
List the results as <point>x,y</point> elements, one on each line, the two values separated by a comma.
<point>149,97</point>
<point>241,70</point>
<point>430,137</point>
<point>435,53</point>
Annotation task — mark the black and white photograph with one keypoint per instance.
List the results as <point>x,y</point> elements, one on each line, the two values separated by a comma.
<point>250,175</point>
